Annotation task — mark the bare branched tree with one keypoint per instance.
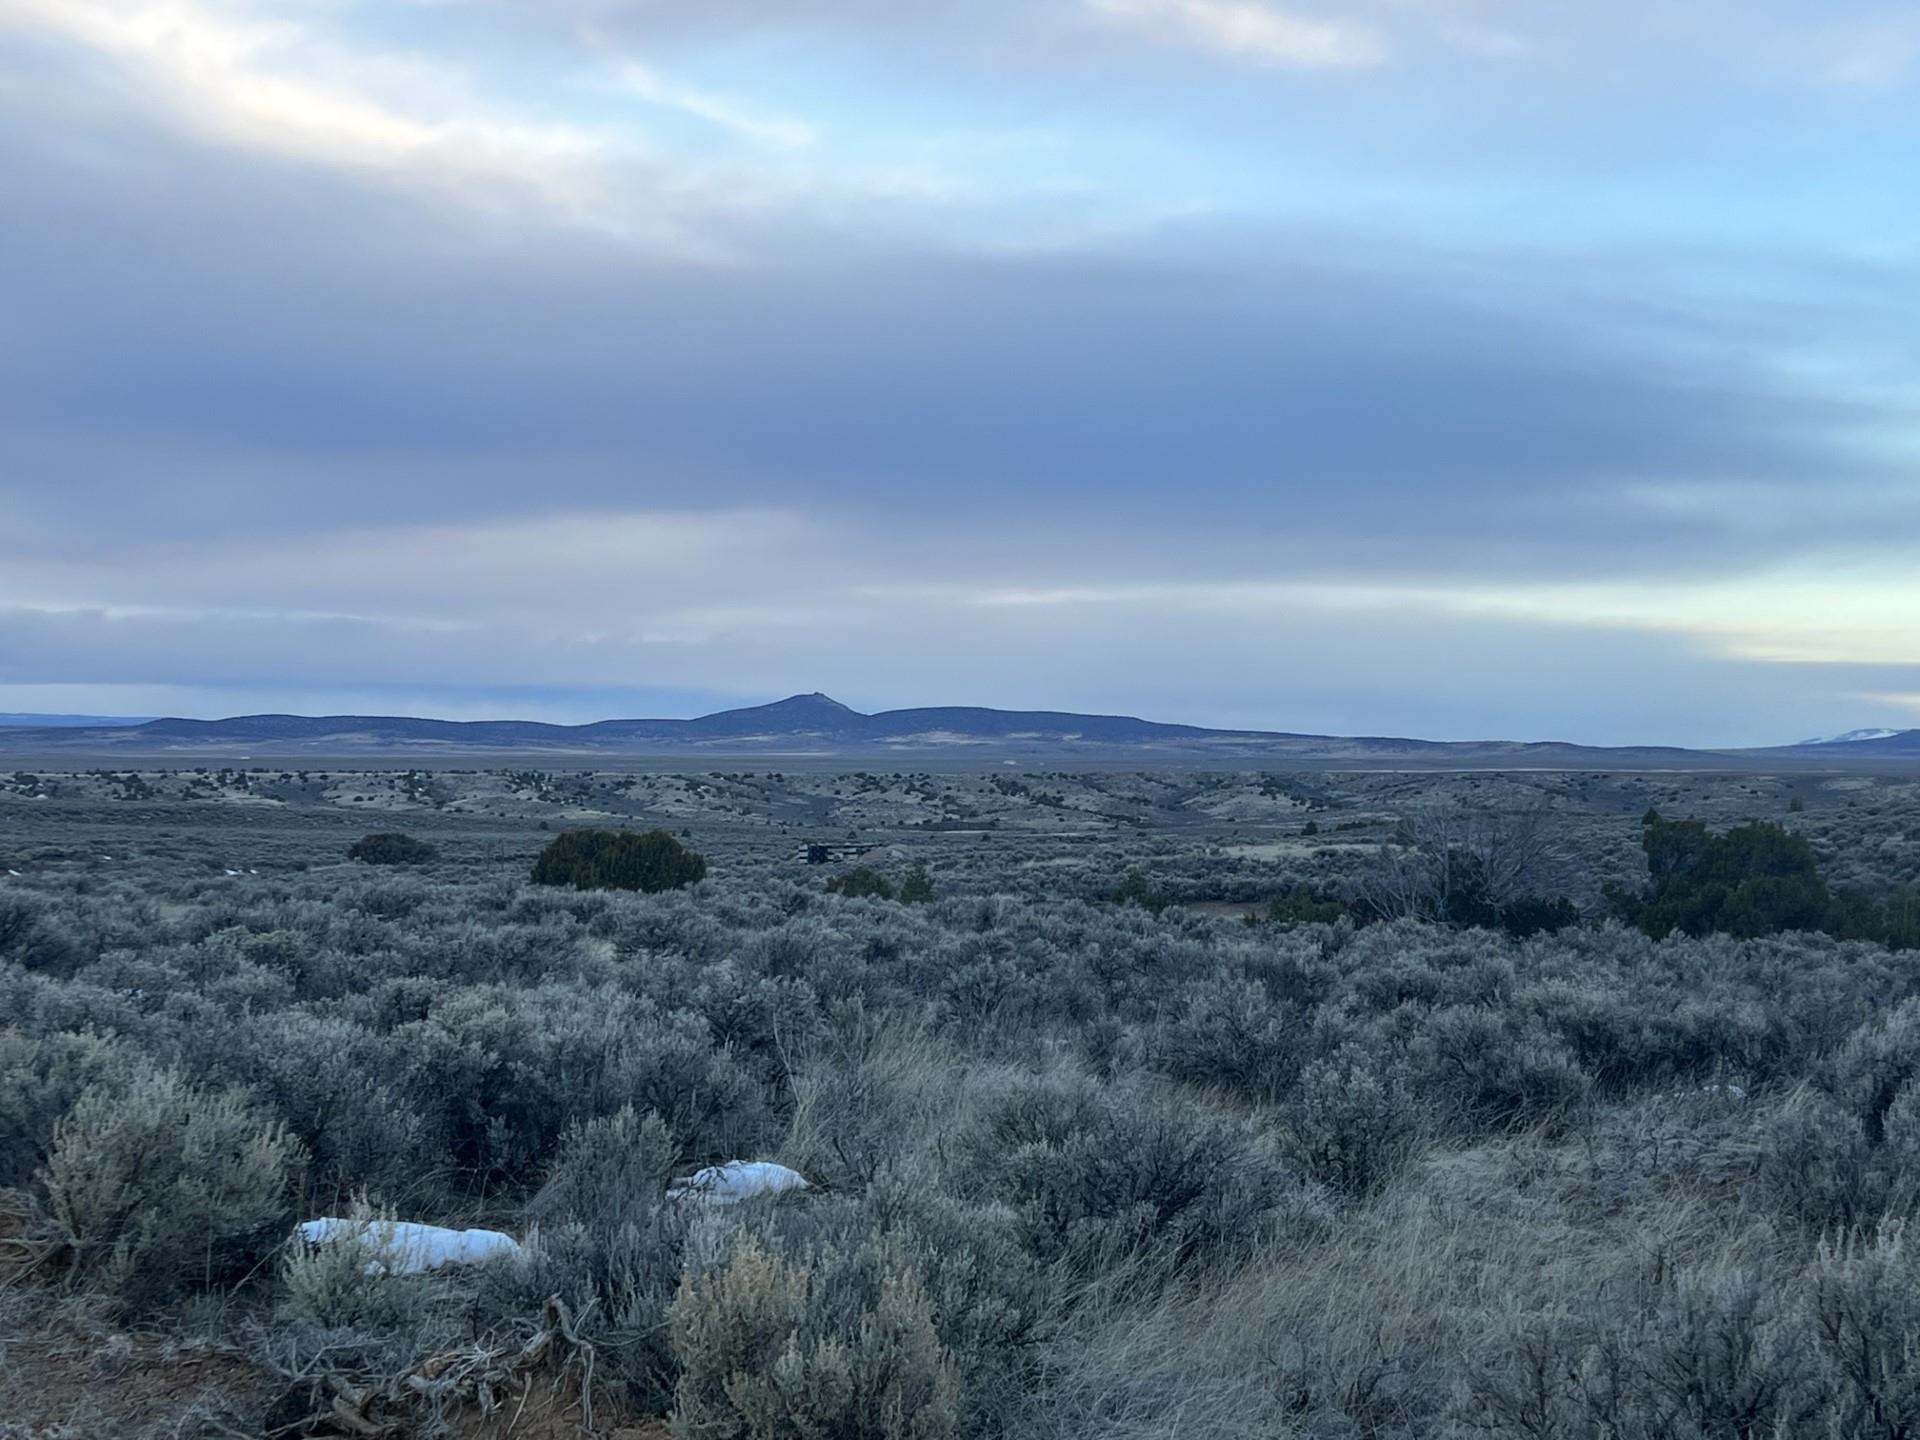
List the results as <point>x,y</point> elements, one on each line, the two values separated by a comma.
<point>1449,859</point>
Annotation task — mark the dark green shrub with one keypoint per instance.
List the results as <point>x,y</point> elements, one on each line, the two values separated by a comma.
<point>1894,920</point>
<point>30,934</point>
<point>618,860</point>
<point>392,849</point>
<point>917,888</point>
<point>1756,879</point>
<point>1136,889</point>
<point>1302,906</point>
<point>1537,915</point>
<point>17,923</point>
<point>861,883</point>
<point>1463,895</point>
<point>1900,920</point>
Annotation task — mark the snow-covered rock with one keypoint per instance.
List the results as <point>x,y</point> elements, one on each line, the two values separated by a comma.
<point>404,1248</point>
<point>735,1181</point>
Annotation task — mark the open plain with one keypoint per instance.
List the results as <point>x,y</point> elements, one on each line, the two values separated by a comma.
<point>1149,1120</point>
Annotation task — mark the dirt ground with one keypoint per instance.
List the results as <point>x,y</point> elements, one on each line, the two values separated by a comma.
<point>68,1373</point>
<point>1224,909</point>
<point>60,1383</point>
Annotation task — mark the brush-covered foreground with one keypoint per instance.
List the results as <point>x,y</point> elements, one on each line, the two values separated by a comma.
<point>1078,1169</point>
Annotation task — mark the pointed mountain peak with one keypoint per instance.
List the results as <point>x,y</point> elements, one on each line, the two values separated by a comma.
<point>811,709</point>
<point>813,714</point>
<point>815,701</point>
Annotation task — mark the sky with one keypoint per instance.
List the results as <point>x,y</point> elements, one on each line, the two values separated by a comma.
<point>1530,369</point>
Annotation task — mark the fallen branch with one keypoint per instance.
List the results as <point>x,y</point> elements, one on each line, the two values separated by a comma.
<point>484,1375</point>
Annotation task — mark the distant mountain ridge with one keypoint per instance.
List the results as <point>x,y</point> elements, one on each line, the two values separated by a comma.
<point>16,721</point>
<point>1854,737</point>
<point>1863,745</point>
<point>813,725</point>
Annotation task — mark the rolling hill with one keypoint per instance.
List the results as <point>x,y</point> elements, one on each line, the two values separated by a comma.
<point>812,725</point>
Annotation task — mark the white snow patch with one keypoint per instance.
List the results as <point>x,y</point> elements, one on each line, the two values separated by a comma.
<point>735,1181</point>
<point>408,1249</point>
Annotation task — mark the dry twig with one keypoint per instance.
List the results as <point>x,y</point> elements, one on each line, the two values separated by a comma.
<point>484,1376</point>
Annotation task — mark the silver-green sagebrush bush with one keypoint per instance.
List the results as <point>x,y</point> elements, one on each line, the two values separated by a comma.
<point>764,1354</point>
<point>604,1239</point>
<point>1080,1172</point>
<point>608,1169</point>
<point>1863,1294</point>
<point>1734,1349</point>
<point>619,1279</point>
<point>1353,1121</point>
<point>40,1078</point>
<point>1132,1182</point>
<point>157,1185</point>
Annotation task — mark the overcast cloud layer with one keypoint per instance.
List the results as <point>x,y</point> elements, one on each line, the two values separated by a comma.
<point>1462,368</point>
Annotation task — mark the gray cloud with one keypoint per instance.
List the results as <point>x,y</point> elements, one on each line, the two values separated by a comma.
<point>208,339</point>
<point>268,431</point>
